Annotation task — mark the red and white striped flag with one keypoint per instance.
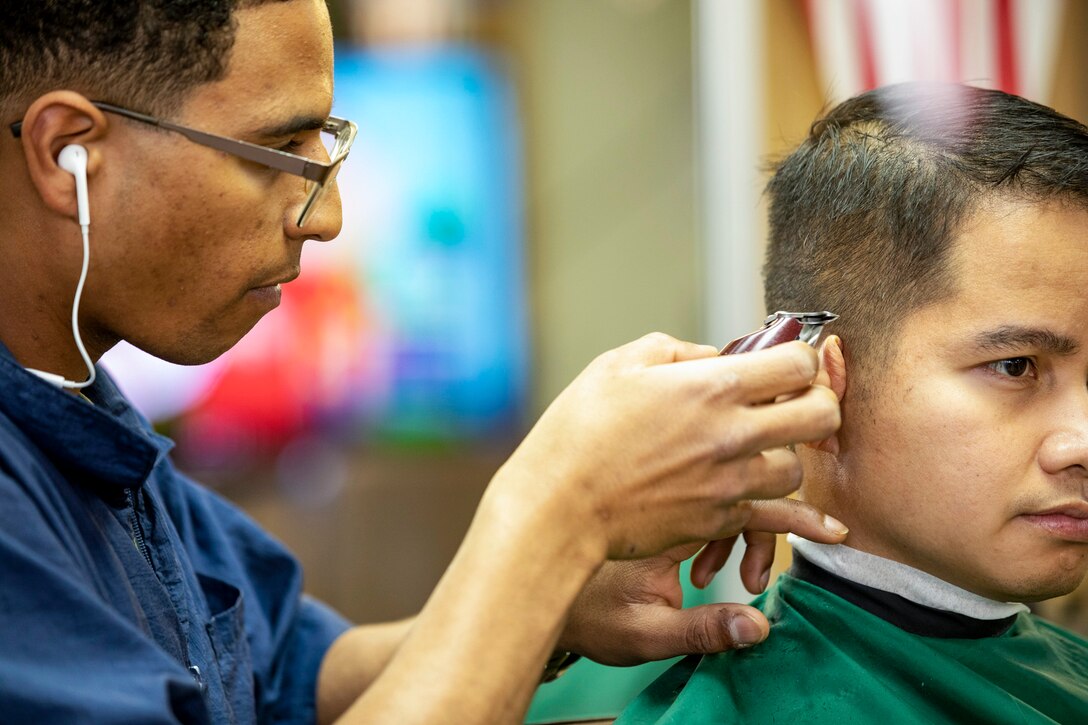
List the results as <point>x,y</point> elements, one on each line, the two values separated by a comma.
<point>1006,44</point>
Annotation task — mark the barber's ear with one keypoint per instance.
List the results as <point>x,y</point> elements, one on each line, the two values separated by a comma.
<point>53,121</point>
<point>832,374</point>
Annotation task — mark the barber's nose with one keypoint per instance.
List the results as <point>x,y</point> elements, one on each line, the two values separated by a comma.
<point>325,221</point>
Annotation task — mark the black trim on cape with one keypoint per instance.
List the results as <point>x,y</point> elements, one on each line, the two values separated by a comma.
<point>903,613</point>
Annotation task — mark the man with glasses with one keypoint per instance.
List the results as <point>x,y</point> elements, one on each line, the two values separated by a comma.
<point>128,593</point>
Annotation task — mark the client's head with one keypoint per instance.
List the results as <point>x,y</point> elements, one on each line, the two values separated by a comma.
<point>948,226</point>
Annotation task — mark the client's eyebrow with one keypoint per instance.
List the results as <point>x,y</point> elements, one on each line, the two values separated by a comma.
<point>292,126</point>
<point>1013,338</point>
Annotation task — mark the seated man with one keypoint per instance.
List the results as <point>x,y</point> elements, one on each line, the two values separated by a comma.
<point>948,226</point>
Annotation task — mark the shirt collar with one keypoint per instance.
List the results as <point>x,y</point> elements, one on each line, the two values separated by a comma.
<point>898,578</point>
<point>108,442</point>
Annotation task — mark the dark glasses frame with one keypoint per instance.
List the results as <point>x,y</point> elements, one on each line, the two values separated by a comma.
<point>321,175</point>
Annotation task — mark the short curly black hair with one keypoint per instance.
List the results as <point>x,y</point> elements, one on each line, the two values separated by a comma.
<point>863,214</point>
<point>142,54</point>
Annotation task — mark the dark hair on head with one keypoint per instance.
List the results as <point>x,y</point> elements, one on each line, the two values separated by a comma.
<point>142,54</point>
<point>863,213</point>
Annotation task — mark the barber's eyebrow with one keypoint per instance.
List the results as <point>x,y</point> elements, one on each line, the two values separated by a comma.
<point>1013,338</point>
<point>292,126</point>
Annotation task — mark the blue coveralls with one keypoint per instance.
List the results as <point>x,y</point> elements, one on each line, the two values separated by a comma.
<point>129,593</point>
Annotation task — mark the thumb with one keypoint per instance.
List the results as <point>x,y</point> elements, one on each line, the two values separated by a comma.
<point>708,629</point>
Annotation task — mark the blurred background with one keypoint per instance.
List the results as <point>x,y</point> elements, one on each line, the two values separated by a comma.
<point>536,181</point>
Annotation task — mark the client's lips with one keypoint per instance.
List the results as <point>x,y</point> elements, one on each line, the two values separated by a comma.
<point>1067,521</point>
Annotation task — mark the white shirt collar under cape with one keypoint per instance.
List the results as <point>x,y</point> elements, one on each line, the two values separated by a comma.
<point>906,581</point>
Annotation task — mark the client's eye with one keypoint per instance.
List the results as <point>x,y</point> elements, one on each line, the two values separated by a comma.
<point>1014,367</point>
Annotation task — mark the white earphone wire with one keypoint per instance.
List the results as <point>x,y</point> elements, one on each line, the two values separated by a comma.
<point>91,372</point>
<point>60,380</point>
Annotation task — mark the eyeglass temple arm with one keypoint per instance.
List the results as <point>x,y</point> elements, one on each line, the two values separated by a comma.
<point>243,149</point>
<point>310,170</point>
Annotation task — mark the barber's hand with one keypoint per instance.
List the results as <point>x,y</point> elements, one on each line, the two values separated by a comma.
<point>661,442</point>
<point>631,613</point>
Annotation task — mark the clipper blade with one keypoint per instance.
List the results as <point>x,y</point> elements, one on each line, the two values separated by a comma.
<point>782,327</point>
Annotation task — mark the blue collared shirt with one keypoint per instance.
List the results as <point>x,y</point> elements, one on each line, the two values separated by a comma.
<point>129,593</point>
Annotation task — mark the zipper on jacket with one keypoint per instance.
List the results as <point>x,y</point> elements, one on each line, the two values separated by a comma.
<point>137,530</point>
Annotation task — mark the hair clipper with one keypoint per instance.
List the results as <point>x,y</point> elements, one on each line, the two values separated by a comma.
<point>782,327</point>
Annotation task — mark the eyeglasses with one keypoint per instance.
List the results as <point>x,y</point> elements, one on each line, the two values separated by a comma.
<point>319,176</point>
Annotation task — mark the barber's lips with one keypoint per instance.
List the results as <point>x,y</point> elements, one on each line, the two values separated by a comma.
<point>1066,522</point>
<point>270,293</point>
<point>267,295</point>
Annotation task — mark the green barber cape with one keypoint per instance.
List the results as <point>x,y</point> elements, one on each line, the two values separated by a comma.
<point>830,661</point>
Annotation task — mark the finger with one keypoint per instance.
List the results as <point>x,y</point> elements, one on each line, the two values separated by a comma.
<point>681,552</point>
<point>755,565</point>
<point>708,629</point>
<point>822,378</point>
<point>770,474</point>
<point>811,416</point>
<point>710,561</point>
<point>687,351</point>
<point>755,377</point>
<point>657,348</point>
<point>787,515</point>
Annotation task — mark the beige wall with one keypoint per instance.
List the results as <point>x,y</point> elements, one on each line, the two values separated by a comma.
<point>1070,93</point>
<point>607,101</point>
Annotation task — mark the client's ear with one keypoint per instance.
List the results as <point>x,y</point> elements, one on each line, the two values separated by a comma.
<point>832,374</point>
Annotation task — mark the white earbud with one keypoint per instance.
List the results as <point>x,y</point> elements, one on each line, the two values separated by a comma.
<point>73,159</point>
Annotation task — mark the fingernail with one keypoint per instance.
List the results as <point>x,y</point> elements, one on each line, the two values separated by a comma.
<point>764,579</point>
<point>834,525</point>
<point>744,631</point>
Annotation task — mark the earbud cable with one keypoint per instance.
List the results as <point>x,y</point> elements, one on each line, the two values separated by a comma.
<point>59,380</point>
<point>85,228</point>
